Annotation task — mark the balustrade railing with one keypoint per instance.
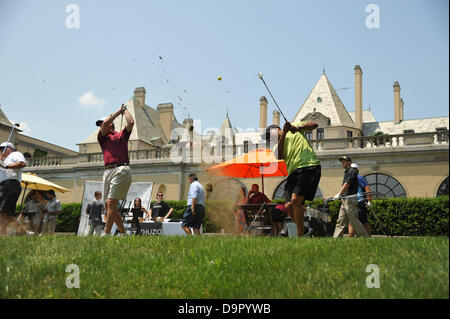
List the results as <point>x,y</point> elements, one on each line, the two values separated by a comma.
<point>361,142</point>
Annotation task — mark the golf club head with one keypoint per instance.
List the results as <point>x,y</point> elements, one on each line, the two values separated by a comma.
<point>260,75</point>
<point>17,124</point>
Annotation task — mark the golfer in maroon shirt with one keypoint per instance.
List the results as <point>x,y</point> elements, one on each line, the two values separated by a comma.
<point>117,176</point>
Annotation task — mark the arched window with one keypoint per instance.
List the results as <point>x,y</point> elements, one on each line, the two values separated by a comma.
<point>384,186</point>
<point>443,189</point>
<point>279,191</point>
<point>226,189</point>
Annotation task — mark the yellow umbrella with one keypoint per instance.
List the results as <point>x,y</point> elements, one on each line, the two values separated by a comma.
<point>36,182</point>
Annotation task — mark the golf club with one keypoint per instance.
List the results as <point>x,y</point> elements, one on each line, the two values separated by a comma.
<point>256,216</point>
<point>10,134</point>
<point>260,75</point>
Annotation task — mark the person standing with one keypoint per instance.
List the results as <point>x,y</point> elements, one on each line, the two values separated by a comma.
<point>240,222</point>
<point>349,207</point>
<point>117,176</point>
<point>195,212</point>
<point>53,209</point>
<point>95,209</point>
<point>34,205</point>
<point>302,164</point>
<point>364,201</point>
<point>12,164</point>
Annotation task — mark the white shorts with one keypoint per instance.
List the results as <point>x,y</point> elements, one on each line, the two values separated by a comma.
<point>116,182</point>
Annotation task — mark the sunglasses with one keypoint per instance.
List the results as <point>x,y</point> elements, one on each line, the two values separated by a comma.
<point>160,195</point>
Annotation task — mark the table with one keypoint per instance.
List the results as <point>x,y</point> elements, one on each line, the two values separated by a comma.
<point>152,228</point>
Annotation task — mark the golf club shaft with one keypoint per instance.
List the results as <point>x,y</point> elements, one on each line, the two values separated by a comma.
<point>9,137</point>
<point>264,82</point>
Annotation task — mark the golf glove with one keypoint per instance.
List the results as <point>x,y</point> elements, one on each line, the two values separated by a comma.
<point>337,196</point>
<point>2,164</point>
<point>369,204</point>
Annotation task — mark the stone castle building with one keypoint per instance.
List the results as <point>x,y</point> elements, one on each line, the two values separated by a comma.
<point>400,158</point>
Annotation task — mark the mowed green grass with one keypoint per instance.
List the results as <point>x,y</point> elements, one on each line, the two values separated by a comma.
<point>223,267</point>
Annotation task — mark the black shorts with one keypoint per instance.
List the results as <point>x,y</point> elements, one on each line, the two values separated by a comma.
<point>9,194</point>
<point>362,213</point>
<point>303,181</point>
<point>277,216</point>
<point>194,220</point>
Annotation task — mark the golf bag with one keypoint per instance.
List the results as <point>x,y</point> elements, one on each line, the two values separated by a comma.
<point>320,225</point>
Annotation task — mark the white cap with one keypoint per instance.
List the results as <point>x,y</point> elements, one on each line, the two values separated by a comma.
<point>7,144</point>
<point>354,165</point>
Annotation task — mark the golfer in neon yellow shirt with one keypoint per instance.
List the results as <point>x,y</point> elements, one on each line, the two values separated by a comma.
<point>302,163</point>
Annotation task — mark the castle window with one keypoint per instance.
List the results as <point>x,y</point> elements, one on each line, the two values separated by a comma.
<point>442,134</point>
<point>245,146</point>
<point>408,131</point>
<point>443,189</point>
<point>349,134</point>
<point>308,136</point>
<point>320,134</point>
<point>384,186</point>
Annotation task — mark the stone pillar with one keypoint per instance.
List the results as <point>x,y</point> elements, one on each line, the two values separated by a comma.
<point>276,117</point>
<point>263,112</point>
<point>397,103</point>
<point>165,118</point>
<point>139,95</point>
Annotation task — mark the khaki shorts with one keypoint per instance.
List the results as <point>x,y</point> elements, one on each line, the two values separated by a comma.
<point>116,182</point>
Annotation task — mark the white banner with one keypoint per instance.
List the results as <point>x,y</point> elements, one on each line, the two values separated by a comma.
<point>140,190</point>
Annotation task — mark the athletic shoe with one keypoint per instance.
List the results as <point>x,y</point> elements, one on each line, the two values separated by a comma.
<point>30,233</point>
<point>284,231</point>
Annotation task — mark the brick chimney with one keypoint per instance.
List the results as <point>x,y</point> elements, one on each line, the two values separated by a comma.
<point>139,95</point>
<point>165,111</point>
<point>263,112</point>
<point>358,98</point>
<point>276,117</point>
<point>398,116</point>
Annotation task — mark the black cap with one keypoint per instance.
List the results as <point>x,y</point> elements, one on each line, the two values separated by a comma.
<point>345,158</point>
<point>266,135</point>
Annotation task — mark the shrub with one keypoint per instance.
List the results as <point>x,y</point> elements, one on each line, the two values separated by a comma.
<point>404,216</point>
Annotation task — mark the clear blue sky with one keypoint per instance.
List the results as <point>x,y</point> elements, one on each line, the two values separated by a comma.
<point>46,67</point>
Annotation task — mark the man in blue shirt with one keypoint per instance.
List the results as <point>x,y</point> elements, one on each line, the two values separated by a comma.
<point>364,201</point>
<point>195,211</point>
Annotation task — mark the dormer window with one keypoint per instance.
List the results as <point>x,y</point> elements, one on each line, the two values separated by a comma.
<point>408,131</point>
<point>442,134</point>
<point>319,99</point>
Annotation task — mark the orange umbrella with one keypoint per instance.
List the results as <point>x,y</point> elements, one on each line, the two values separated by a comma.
<point>259,163</point>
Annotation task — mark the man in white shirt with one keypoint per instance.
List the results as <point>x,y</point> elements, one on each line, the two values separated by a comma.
<point>11,166</point>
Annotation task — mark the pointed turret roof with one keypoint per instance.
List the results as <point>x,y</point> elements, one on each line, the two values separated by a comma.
<point>4,120</point>
<point>226,123</point>
<point>325,100</point>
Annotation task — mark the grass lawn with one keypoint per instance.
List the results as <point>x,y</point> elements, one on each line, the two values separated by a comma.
<point>223,267</point>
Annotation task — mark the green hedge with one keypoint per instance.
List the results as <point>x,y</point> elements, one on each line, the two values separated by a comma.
<point>404,216</point>
<point>400,216</point>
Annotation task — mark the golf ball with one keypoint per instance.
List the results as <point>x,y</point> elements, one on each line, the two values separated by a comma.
<point>219,78</point>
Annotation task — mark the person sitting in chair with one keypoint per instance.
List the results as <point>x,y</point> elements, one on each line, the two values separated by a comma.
<point>256,197</point>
